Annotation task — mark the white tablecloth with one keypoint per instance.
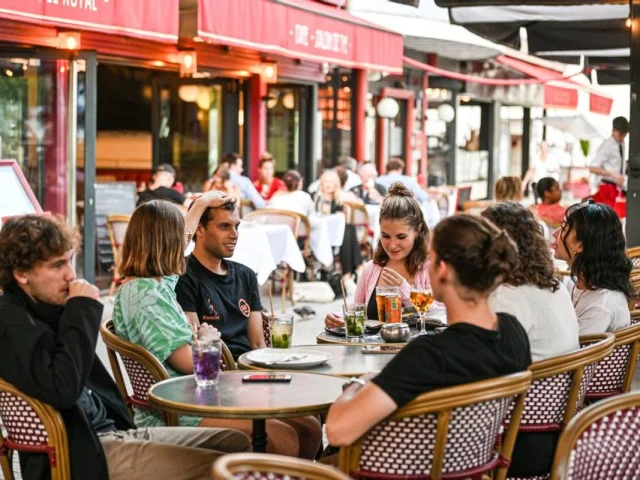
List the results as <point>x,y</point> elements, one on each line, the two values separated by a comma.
<point>326,232</point>
<point>263,247</point>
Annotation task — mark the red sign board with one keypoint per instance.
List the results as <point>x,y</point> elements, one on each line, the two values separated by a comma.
<point>559,97</point>
<point>600,104</point>
<point>149,19</point>
<point>301,29</point>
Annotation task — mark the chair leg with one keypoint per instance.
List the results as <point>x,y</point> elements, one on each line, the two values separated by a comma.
<point>284,291</point>
<point>6,461</point>
<point>291,280</point>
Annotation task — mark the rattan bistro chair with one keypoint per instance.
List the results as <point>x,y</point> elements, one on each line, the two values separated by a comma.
<point>560,383</point>
<point>34,427</point>
<point>451,433</point>
<point>261,466</point>
<point>634,255</point>
<point>117,228</point>
<point>614,373</point>
<point>144,370</point>
<point>600,443</point>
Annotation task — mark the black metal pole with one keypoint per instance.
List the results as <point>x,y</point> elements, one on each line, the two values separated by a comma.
<point>90,127</point>
<point>633,186</point>
<point>526,140</point>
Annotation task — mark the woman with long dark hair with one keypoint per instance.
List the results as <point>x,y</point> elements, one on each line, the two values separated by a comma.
<point>530,291</point>
<point>400,259</point>
<point>591,241</point>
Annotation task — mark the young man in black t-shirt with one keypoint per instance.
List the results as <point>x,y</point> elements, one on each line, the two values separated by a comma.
<point>218,291</point>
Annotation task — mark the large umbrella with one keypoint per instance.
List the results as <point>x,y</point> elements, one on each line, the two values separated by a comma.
<point>597,29</point>
<point>594,28</point>
<point>576,125</point>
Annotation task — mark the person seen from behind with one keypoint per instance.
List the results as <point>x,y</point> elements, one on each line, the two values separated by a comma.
<point>163,177</point>
<point>469,258</point>
<point>508,188</point>
<point>530,292</point>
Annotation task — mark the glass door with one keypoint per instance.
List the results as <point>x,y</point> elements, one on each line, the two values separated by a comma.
<point>195,121</point>
<point>37,126</point>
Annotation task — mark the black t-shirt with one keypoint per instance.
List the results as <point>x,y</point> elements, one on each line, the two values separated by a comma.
<point>223,301</point>
<point>463,353</point>
<point>96,412</point>
<point>161,193</point>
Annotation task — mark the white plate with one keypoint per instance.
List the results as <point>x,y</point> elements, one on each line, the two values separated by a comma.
<point>273,358</point>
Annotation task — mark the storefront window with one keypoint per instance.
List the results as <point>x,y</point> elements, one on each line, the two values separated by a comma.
<point>283,127</point>
<point>472,162</point>
<point>370,130</point>
<point>510,142</point>
<point>33,125</point>
<point>334,104</point>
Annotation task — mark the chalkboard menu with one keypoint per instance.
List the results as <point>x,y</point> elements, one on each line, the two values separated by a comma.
<point>112,198</point>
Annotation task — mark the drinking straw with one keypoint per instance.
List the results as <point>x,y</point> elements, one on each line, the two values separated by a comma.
<point>271,300</point>
<point>344,295</point>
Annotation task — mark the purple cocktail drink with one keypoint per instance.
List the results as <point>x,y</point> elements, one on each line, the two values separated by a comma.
<point>206,364</point>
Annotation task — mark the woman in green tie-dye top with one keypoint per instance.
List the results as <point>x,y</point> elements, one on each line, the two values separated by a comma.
<point>146,312</point>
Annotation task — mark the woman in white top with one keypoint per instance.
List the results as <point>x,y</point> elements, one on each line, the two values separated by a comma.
<point>530,292</point>
<point>294,199</point>
<point>591,241</point>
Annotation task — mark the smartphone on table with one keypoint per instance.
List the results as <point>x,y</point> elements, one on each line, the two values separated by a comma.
<point>266,378</point>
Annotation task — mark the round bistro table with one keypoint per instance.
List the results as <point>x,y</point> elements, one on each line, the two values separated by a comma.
<point>346,361</point>
<point>306,394</point>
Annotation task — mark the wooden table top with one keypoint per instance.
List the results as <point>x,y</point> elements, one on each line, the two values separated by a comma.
<point>347,361</point>
<point>306,394</point>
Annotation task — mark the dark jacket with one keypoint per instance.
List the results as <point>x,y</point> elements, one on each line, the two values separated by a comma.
<point>48,352</point>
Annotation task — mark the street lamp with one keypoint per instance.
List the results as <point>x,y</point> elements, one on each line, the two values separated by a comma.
<point>387,109</point>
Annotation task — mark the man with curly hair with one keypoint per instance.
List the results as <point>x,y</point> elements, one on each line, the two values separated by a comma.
<point>49,323</point>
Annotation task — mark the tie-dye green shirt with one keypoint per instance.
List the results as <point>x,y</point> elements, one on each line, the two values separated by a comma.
<point>147,313</point>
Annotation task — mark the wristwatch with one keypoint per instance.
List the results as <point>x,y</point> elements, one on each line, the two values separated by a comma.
<point>353,380</point>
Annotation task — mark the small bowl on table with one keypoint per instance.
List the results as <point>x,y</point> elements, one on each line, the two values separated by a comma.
<point>395,332</point>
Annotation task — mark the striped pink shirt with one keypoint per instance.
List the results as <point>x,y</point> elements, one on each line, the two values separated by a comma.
<point>369,278</point>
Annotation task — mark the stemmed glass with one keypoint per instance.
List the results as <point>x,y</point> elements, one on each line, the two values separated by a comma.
<point>421,299</point>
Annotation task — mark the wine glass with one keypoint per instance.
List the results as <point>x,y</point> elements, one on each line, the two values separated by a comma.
<point>421,299</point>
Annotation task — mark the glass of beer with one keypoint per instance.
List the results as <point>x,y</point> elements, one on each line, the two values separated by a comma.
<point>421,299</point>
<point>381,297</point>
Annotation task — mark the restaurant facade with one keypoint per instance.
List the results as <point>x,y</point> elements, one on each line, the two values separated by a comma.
<point>95,91</point>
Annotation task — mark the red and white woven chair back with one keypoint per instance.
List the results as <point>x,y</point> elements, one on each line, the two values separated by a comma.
<point>23,425</point>
<point>261,475</point>
<point>608,448</point>
<point>141,379</point>
<point>608,378</point>
<point>266,330</point>
<point>406,446</point>
<point>546,402</point>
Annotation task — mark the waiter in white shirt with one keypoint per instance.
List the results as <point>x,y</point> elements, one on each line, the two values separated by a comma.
<point>609,163</point>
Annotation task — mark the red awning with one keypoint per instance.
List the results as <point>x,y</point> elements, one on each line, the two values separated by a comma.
<point>148,19</point>
<point>301,29</point>
<point>559,94</point>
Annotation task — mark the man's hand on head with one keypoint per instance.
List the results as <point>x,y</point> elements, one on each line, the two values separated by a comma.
<point>82,288</point>
<point>215,199</point>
